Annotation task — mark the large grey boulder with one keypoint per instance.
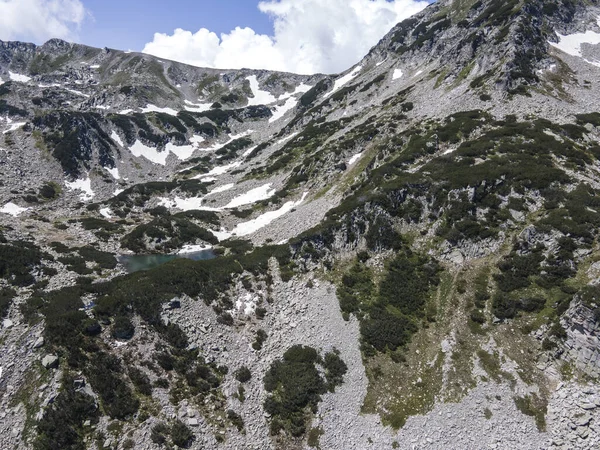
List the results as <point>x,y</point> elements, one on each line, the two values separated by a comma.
<point>50,361</point>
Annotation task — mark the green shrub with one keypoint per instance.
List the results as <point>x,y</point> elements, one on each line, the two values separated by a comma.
<point>181,435</point>
<point>243,374</point>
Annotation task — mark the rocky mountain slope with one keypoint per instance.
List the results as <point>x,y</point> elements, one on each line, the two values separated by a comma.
<point>404,255</point>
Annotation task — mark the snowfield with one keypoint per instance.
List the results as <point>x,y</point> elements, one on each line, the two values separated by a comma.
<point>397,74</point>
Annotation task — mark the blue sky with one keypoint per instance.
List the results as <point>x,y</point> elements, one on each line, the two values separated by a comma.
<point>130,24</point>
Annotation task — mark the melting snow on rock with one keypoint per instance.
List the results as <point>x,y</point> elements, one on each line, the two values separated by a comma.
<point>150,153</point>
<point>354,159</point>
<point>115,137</point>
<point>246,228</point>
<point>260,97</point>
<point>397,74</point>
<point>572,43</point>
<point>154,108</point>
<point>84,185</point>
<point>18,77</point>
<point>252,196</point>
<point>12,209</point>
<point>340,82</point>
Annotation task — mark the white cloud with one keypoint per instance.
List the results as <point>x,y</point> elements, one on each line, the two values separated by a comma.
<point>309,36</point>
<point>40,20</point>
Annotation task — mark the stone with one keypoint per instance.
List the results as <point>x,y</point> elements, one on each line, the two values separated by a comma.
<point>50,361</point>
<point>587,406</point>
<point>583,420</point>
<point>39,342</point>
<point>7,323</point>
<point>193,422</point>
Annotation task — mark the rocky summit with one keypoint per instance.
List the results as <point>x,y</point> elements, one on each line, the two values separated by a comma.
<point>404,255</point>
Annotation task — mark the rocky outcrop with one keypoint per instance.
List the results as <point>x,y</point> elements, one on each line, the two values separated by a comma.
<point>582,345</point>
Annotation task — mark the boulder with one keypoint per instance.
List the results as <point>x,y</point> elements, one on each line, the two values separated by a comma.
<point>50,361</point>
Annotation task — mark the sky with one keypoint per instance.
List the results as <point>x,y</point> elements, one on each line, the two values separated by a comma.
<point>301,36</point>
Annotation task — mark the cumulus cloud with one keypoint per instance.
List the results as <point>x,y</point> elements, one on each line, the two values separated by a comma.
<point>40,20</point>
<point>309,36</point>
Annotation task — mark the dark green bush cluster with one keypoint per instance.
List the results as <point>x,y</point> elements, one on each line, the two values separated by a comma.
<point>71,136</point>
<point>180,434</point>
<point>105,373</point>
<point>6,297</point>
<point>243,374</point>
<point>389,313</point>
<point>295,386</point>
<point>230,151</point>
<point>17,261</point>
<point>61,425</point>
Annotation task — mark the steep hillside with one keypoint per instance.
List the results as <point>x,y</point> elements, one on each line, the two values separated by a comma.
<point>404,255</point>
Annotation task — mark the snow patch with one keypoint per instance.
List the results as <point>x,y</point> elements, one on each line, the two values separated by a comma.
<point>193,249</point>
<point>197,140</point>
<point>197,107</point>
<point>102,107</point>
<point>221,235</point>
<point>571,44</point>
<point>397,74</point>
<point>246,228</point>
<point>115,137</point>
<point>250,150</point>
<point>340,82</point>
<point>18,77</point>
<point>186,204</point>
<point>106,212</point>
<point>154,108</point>
<point>84,185</point>
<point>114,172</point>
<point>281,110</point>
<point>14,127</point>
<point>247,304</point>
<point>151,154</point>
<point>225,187</point>
<point>126,111</point>
<point>220,170</point>
<point>260,97</point>
<point>287,138</point>
<point>182,152</point>
<point>12,209</point>
<point>252,196</point>
<point>354,159</point>
<point>73,91</point>
<point>95,66</point>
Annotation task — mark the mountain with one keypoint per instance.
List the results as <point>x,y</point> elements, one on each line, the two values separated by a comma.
<point>403,255</point>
